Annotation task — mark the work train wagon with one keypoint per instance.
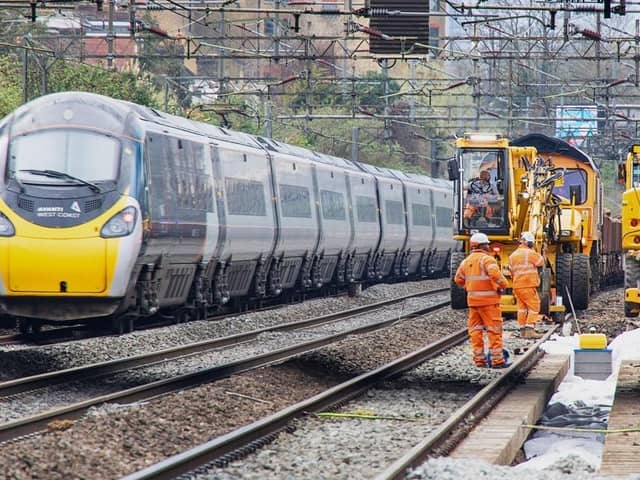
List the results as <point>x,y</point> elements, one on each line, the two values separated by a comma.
<point>113,211</point>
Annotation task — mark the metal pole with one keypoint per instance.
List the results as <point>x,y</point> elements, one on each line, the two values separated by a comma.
<point>221,30</point>
<point>412,83</point>
<point>276,32</point>
<point>25,72</point>
<point>267,115</point>
<point>355,138</point>
<point>166,94</point>
<point>110,35</point>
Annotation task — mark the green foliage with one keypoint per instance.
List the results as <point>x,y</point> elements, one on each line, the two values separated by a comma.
<point>334,138</point>
<point>65,76</point>
<point>10,90</point>
<point>612,190</point>
<point>125,86</point>
<point>369,91</point>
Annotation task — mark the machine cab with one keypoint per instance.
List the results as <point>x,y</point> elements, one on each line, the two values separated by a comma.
<point>478,171</point>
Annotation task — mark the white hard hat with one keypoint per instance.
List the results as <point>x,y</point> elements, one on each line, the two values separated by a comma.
<point>479,239</point>
<point>528,237</point>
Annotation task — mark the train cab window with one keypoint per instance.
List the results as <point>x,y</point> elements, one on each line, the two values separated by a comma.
<point>482,189</point>
<point>421,215</point>
<point>245,197</point>
<point>332,205</point>
<point>294,201</point>
<point>85,154</point>
<point>366,209</point>
<point>574,177</point>
<point>394,212</point>
<point>635,174</point>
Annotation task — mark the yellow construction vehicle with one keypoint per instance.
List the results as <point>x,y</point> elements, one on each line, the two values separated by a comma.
<point>525,191</point>
<point>629,174</point>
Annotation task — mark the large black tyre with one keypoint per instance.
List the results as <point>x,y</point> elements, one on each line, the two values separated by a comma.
<point>631,272</point>
<point>581,281</point>
<point>458,295</point>
<point>628,310</point>
<point>564,264</point>
<point>545,291</point>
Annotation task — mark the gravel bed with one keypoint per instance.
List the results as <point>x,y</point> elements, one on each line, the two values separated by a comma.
<point>177,421</point>
<point>94,447</point>
<point>449,469</point>
<point>115,440</point>
<point>354,448</point>
<point>31,403</point>
<point>606,315</point>
<point>18,361</point>
<point>347,448</point>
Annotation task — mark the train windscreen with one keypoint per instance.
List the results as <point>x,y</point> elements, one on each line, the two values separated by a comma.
<point>85,154</point>
<point>482,191</point>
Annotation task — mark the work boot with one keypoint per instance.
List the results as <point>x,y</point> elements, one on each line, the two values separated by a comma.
<point>530,333</point>
<point>502,365</point>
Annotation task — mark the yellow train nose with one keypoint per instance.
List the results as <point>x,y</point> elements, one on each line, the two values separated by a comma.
<point>76,266</point>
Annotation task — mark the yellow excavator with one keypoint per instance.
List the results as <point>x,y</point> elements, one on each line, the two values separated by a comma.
<point>503,189</point>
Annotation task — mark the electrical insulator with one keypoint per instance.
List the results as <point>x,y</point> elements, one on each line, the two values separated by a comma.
<point>621,8</point>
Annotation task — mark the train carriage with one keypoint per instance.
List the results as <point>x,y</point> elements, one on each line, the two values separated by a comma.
<point>110,211</point>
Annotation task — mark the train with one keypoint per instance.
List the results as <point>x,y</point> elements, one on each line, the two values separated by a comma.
<point>111,212</point>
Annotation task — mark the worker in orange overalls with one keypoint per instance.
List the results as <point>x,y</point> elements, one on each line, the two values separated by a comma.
<point>478,194</point>
<point>480,275</point>
<point>524,264</point>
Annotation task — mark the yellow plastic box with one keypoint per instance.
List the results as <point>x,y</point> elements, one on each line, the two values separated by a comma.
<point>593,341</point>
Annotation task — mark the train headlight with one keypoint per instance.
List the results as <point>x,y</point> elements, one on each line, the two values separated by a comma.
<point>120,225</point>
<point>6,227</point>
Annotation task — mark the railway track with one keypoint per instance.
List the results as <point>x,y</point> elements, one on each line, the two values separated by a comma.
<point>50,336</point>
<point>220,451</point>
<point>16,428</point>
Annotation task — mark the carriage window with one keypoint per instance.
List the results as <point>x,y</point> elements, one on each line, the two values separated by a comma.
<point>294,201</point>
<point>332,205</point>
<point>421,214</point>
<point>366,209</point>
<point>162,192</point>
<point>443,216</point>
<point>572,178</point>
<point>245,197</point>
<point>394,212</point>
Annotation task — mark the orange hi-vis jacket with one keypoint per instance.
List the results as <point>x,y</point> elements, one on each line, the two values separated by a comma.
<point>480,274</point>
<point>524,263</point>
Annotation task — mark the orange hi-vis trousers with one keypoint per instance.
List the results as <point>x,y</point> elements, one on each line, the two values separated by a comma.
<point>486,318</point>
<point>528,303</point>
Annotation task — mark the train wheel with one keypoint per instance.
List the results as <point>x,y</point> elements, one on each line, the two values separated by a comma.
<point>25,326</point>
<point>123,325</point>
<point>580,281</point>
<point>458,295</point>
<point>564,264</point>
<point>631,272</point>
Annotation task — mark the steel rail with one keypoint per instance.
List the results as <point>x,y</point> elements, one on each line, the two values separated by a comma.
<point>24,426</point>
<point>191,459</point>
<point>485,398</point>
<point>21,385</point>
